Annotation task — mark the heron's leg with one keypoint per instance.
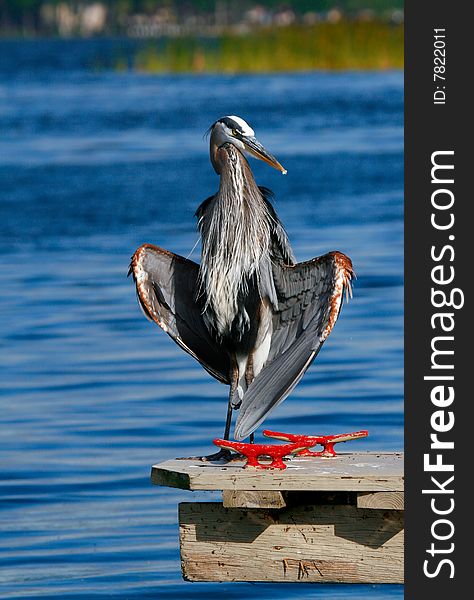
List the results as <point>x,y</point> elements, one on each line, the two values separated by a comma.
<point>225,454</point>
<point>249,377</point>
<point>228,420</point>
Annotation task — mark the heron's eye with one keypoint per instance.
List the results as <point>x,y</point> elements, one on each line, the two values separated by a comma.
<point>235,132</point>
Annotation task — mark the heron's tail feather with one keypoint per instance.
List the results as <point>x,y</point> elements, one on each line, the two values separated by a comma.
<point>273,385</point>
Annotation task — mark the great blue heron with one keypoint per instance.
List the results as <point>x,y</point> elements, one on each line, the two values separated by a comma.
<point>248,313</point>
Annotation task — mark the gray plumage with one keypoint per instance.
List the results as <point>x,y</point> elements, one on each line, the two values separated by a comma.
<point>252,317</point>
<point>236,227</point>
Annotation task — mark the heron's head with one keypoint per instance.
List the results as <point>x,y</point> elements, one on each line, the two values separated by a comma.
<point>234,130</point>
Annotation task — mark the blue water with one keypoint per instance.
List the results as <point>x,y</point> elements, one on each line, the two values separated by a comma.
<point>94,163</point>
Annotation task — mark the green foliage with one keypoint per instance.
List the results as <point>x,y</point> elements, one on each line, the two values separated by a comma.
<point>343,45</point>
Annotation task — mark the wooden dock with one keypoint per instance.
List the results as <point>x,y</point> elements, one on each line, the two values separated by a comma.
<point>320,520</point>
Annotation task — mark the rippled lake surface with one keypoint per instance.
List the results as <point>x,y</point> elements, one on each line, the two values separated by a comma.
<point>94,163</point>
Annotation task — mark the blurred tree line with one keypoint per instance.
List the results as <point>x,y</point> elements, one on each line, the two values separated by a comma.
<point>27,16</point>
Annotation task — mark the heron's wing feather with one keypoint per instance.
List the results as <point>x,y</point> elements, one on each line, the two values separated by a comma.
<point>310,296</point>
<point>281,247</point>
<point>167,289</point>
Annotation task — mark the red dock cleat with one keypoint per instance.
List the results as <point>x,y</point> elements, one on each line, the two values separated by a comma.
<point>326,441</point>
<point>253,451</point>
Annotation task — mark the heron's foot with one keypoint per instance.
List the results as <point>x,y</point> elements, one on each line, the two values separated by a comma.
<point>223,456</point>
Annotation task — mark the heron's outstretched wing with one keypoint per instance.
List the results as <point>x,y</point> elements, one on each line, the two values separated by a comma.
<point>166,287</point>
<point>310,297</point>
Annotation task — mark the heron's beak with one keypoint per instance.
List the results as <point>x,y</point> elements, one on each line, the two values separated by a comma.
<point>254,147</point>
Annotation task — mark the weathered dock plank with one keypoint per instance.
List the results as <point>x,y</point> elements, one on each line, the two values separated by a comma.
<point>308,543</point>
<point>349,472</point>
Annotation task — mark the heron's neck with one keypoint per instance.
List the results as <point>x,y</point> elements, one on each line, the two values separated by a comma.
<point>235,241</point>
<point>237,183</point>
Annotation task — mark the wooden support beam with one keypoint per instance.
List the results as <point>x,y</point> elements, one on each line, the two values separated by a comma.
<point>384,500</point>
<point>246,499</point>
<point>309,543</point>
